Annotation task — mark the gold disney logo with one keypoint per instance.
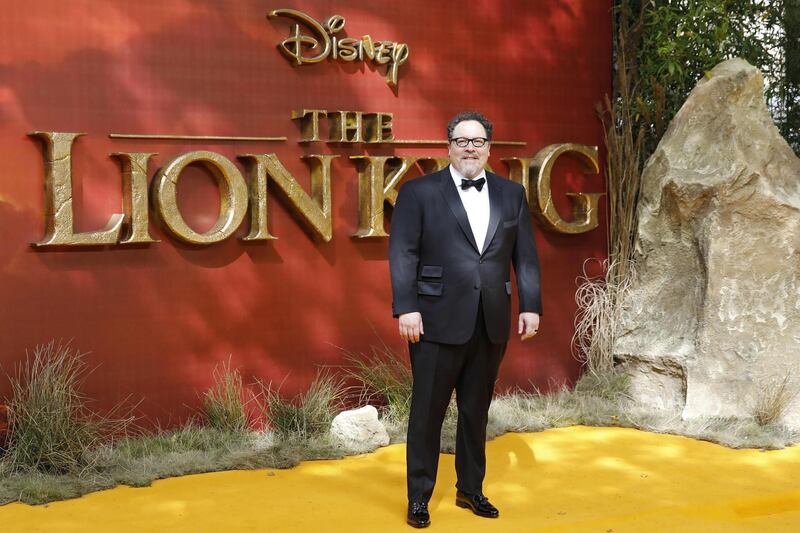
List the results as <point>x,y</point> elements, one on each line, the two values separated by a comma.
<point>321,43</point>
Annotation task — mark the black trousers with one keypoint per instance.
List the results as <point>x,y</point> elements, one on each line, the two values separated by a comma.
<point>470,369</point>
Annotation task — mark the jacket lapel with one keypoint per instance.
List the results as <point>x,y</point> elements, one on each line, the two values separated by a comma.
<point>453,201</point>
<point>495,207</point>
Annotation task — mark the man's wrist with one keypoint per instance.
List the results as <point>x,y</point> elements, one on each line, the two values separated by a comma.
<point>400,312</point>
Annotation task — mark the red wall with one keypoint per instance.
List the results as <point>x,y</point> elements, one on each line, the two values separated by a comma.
<point>157,319</point>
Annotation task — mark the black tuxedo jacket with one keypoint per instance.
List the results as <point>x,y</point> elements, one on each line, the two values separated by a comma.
<point>437,269</point>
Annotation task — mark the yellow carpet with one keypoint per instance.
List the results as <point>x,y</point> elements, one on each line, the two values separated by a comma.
<point>571,479</point>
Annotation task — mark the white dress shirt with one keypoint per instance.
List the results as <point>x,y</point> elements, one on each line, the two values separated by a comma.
<point>476,204</point>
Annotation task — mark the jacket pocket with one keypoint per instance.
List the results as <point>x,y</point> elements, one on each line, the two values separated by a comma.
<point>510,223</point>
<point>508,288</point>
<point>429,288</point>
<point>431,271</point>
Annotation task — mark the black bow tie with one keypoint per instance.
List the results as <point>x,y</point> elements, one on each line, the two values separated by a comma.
<point>478,184</point>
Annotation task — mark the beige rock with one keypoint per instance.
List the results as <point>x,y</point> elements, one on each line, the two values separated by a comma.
<point>713,317</point>
<point>359,430</point>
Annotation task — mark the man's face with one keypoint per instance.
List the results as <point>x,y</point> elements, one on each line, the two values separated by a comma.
<point>468,160</point>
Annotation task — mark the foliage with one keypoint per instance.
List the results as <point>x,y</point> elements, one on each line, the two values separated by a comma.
<point>52,428</point>
<point>787,100</point>
<point>4,429</point>
<point>597,318</point>
<point>225,404</point>
<point>137,460</point>
<point>733,432</point>
<point>385,378</point>
<point>306,415</point>
<point>593,401</point>
<point>604,401</point>
<point>681,40</point>
<point>191,436</point>
<point>773,401</point>
<point>598,298</point>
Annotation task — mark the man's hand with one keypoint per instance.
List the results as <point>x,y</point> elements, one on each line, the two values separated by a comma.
<point>411,327</point>
<point>528,325</point>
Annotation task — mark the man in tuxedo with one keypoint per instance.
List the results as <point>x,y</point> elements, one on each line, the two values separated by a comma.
<point>454,235</point>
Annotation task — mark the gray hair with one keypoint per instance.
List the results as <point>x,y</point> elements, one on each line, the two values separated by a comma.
<point>469,115</point>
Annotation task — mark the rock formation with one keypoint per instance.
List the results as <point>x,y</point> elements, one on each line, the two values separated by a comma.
<point>712,322</point>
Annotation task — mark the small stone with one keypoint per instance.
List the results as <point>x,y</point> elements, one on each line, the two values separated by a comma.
<point>359,430</point>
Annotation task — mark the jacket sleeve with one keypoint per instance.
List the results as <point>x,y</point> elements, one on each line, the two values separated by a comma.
<point>404,243</point>
<point>526,262</point>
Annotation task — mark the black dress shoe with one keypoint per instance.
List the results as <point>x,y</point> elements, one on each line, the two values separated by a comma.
<point>477,503</point>
<point>418,515</point>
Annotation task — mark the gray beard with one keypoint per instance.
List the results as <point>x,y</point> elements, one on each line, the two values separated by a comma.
<point>468,172</point>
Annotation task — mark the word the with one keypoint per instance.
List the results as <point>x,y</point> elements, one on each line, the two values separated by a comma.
<point>345,126</point>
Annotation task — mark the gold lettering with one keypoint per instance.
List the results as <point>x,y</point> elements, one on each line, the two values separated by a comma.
<point>584,205</point>
<point>321,39</point>
<point>233,197</point>
<point>430,165</point>
<point>375,187</point>
<point>59,217</point>
<point>346,127</point>
<point>314,210</point>
<point>348,49</point>
<point>134,196</point>
<point>383,52</point>
<point>257,174</point>
<point>367,48</point>
<point>379,127</point>
<point>519,170</point>
<point>399,56</point>
<point>335,24</point>
<point>295,46</point>
<point>309,123</point>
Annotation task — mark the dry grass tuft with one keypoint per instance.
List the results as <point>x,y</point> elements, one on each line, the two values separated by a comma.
<point>385,377</point>
<point>52,428</point>
<point>306,415</point>
<point>773,401</point>
<point>225,403</point>
<point>594,401</point>
<point>732,432</point>
<point>598,316</point>
<point>625,121</point>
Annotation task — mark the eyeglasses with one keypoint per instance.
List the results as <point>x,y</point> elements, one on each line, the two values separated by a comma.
<point>462,142</point>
